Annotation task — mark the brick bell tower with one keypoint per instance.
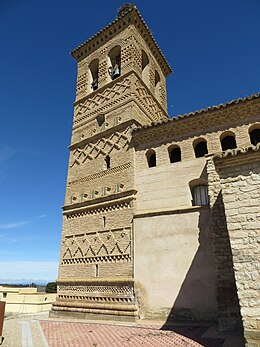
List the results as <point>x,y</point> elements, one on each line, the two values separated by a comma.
<point>120,85</point>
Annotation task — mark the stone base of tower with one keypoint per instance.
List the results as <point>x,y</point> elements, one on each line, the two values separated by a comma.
<point>99,298</point>
<point>106,312</point>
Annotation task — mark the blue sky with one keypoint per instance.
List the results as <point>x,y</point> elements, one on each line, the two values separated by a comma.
<point>212,47</point>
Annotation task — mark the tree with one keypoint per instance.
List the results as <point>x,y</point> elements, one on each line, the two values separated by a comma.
<point>51,287</point>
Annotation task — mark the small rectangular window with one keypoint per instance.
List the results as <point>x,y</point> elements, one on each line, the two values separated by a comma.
<point>200,195</point>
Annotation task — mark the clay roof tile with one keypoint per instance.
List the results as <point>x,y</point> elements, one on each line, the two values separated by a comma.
<point>210,108</point>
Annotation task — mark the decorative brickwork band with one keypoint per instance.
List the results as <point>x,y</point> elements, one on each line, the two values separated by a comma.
<point>100,174</point>
<point>103,246</point>
<point>100,296</point>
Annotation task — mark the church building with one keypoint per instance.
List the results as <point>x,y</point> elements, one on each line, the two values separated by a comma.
<point>161,218</point>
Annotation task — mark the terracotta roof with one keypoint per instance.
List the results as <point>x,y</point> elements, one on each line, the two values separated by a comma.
<point>234,152</point>
<point>210,108</point>
<point>122,12</point>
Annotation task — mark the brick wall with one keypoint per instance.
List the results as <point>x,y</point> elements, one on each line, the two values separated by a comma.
<point>228,307</point>
<point>239,178</point>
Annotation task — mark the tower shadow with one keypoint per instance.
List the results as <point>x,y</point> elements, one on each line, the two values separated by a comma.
<point>198,304</point>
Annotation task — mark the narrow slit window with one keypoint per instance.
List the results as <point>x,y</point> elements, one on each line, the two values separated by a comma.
<point>96,270</point>
<point>107,162</point>
<point>100,119</point>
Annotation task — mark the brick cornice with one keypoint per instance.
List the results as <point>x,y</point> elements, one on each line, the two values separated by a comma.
<point>96,281</point>
<point>201,122</point>
<point>107,202</point>
<point>236,156</point>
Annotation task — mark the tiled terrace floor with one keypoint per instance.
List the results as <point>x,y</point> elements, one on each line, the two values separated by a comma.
<point>72,334</point>
<point>38,330</point>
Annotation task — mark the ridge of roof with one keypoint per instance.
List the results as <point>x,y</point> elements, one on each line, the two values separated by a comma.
<point>122,12</point>
<point>194,113</point>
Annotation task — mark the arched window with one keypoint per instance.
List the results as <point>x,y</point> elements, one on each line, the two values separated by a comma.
<point>254,134</point>
<point>151,158</point>
<point>174,154</point>
<point>107,162</point>
<point>228,141</point>
<point>145,67</point>
<point>115,62</point>
<point>200,148</point>
<point>93,67</point>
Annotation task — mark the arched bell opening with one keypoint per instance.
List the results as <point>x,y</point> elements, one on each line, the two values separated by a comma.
<point>157,84</point>
<point>145,68</point>
<point>114,56</point>
<point>93,68</point>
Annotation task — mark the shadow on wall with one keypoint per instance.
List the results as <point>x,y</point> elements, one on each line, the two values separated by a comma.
<point>196,300</point>
<point>229,316</point>
<point>207,283</point>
